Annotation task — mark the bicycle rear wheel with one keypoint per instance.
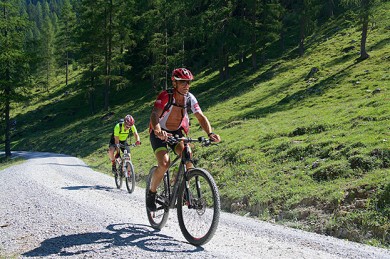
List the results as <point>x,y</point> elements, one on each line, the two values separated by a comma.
<point>118,176</point>
<point>198,209</point>
<point>158,218</point>
<point>130,179</point>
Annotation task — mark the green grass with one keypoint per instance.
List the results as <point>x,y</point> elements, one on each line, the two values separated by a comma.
<point>312,153</point>
<point>5,162</point>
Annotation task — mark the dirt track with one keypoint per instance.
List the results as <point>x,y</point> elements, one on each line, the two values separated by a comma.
<point>54,205</point>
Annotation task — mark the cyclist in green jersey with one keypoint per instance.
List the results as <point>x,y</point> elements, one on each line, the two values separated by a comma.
<point>120,135</point>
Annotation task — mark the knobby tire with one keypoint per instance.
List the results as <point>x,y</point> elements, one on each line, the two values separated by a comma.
<point>118,177</point>
<point>158,218</point>
<point>130,179</point>
<point>199,223</point>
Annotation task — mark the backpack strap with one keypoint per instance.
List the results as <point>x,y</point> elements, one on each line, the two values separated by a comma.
<point>170,103</point>
<point>121,121</point>
<point>188,103</point>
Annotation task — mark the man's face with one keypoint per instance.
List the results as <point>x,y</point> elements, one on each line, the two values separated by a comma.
<point>183,86</point>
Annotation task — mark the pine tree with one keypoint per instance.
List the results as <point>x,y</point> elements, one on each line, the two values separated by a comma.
<point>13,60</point>
<point>157,18</point>
<point>91,45</point>
<point>302,14</point>
<point>47,50</point>
<point>64,39</point>
<point>365,10</point>
<point>264,26</point>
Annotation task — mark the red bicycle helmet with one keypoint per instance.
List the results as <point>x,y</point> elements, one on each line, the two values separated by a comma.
<point>182,74</point>
<point>129,120</point>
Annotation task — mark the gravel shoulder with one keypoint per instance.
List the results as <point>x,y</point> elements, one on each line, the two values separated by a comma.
<point>55,205</point>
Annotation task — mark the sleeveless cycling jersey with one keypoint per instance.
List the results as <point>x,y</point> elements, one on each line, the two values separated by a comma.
<point>175,117</point>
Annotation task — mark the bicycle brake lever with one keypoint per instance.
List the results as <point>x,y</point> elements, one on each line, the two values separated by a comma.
<point>206,142</point>
<point>171,140</point>
<point>201,139</point>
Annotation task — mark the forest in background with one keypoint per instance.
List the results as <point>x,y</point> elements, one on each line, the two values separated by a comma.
<point>117,41</point>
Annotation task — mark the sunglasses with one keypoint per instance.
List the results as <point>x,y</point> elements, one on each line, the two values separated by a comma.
<point>184,82</point>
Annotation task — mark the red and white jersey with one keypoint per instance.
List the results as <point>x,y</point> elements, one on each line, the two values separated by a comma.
<point>175,117</point>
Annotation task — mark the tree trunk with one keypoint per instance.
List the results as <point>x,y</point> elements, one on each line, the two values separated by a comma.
<point>282,35</point>
<point>221,63</point>
<point>92,100</point>
<point>254,55</point>
<point>7,92</point>
<point>47,74</point>
<point>67,69</point>
<point>7,118</point>
<point>166,57</point>
<point>108,59</point>
<point>254,38</point>
<point>282,43</point>
<point>67,54</point>
<point>363,53</point>
<point>330,8</point>
<point>302,35</point>
<point>227,69</point>
<point>91,90</point>
<point>262,57</point>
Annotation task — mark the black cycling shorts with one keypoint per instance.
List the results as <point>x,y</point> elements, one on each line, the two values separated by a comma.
<point>158,144</point>
<point>112,143</point>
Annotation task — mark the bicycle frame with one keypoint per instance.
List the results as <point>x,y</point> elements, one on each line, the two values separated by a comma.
<point>180,176</point>
<point>123,155</point>
<point>125,168</point>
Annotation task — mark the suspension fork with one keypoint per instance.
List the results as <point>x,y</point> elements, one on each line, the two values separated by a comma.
<point>180,178</point>
<point>186,157</point>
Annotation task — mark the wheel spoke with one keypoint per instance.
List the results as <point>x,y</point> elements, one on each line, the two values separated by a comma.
<point>199,214</point>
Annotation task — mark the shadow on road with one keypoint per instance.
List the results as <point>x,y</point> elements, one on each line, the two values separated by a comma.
<point>32,155</point>
<point>90,187</point>
<point>118,235</point>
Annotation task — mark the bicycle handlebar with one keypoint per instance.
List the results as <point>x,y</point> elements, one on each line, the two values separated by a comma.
<point>127,145</point>
<point>175,139</point>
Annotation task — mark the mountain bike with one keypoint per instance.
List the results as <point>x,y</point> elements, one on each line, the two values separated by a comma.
<point>193,193</point>
<point>125,168</point>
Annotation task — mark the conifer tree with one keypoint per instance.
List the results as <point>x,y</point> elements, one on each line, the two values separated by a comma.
<point>47,50</point>
<point>126,42</point>
<point>13,61</point>
<point>264,26</point>
<point>219,25</point>
<point>65,45</point>
<point>38,15</point>
<point>365,10</point>
<point>91,50</point>
<point>157,18</point>
<point>301,13</point>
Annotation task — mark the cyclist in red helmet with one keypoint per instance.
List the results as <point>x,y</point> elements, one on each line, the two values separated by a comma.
<point>170,117</point>
<point>120,135</point>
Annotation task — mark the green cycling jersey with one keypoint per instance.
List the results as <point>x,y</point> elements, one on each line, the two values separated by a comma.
<point>122,133</point>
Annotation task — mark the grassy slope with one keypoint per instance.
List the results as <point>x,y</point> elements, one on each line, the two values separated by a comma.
<point>309,153</point>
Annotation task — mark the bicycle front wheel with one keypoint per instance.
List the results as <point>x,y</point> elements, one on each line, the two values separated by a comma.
<point>198,207</point>
<point>158,218</point>
<point>130,179</point>
<point>118,176</point>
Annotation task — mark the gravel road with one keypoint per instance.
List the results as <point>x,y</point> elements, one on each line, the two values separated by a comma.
<point>55,205</point>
